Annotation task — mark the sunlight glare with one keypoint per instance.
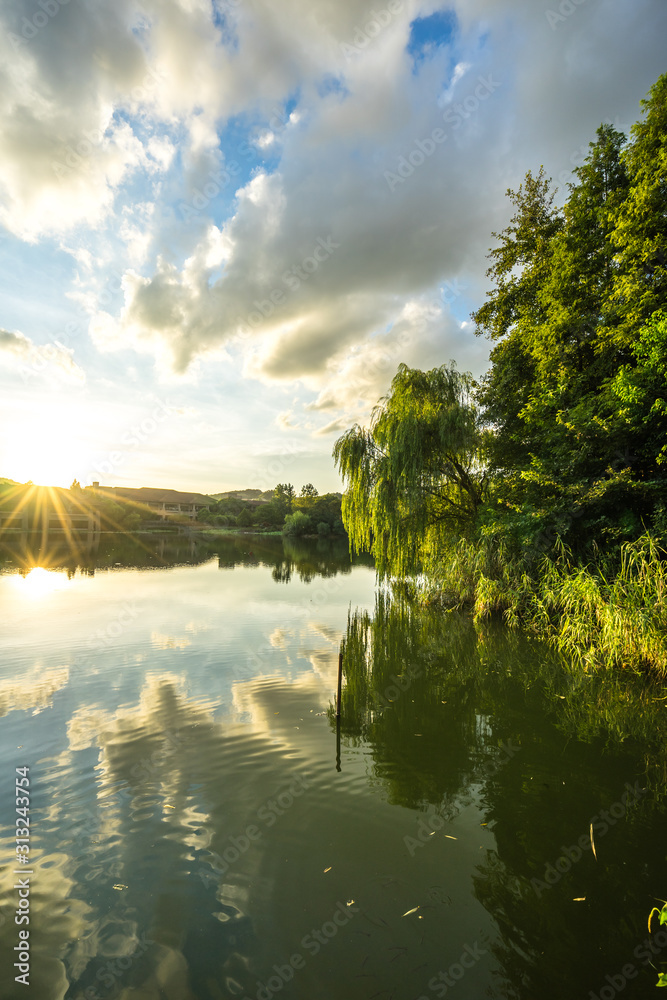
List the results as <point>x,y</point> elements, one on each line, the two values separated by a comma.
<point>44,448</point>
<point>40,582</point>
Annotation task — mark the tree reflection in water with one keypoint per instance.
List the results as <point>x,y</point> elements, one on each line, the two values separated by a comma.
<point>436,700</point>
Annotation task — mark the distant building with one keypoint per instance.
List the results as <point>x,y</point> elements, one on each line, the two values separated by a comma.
<point>166,503</point>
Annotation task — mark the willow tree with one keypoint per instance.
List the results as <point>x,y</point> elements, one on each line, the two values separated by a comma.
<point>416,476</point>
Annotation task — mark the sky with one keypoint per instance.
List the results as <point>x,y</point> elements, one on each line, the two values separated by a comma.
<point>225,223</point>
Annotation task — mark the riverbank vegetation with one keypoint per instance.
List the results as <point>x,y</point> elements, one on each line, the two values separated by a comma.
<point>281,509</point>
<point>26,507</point>
<point>540,491</point>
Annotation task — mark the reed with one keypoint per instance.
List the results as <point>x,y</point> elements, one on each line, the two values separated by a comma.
<point>603,615</point>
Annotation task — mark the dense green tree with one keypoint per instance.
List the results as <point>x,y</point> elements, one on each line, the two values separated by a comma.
<point>514,308</point>
<point>297,524</point>
<point>417,472</point>
<point>642,389</point>
<point>560,450</point>
<point>552,275</point>
<point>640,235</point>
<point>321,508</point>
<point>309,490</point>
<point>282,502</point>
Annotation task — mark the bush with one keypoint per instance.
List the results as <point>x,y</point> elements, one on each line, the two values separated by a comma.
<point>323,528</point>
<point>297,524</point>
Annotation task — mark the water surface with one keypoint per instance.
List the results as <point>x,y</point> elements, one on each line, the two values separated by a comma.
<point>200,830</point>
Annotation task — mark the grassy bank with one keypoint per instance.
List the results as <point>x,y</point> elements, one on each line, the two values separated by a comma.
<point>602,615</point>
<point>214,532</point>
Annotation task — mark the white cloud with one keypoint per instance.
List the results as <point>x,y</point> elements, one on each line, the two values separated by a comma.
<point>325,267</point>
<point>48,360</point>
<point>284,420</point>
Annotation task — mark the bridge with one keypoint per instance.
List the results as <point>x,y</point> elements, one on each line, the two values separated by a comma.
<point>48,521</point>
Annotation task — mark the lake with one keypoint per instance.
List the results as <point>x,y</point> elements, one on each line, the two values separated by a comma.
<point>484,822</point>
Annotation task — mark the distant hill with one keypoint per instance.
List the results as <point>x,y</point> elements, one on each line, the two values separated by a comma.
<point>244,495</point>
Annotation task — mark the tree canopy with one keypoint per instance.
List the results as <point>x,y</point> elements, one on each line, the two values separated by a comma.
<point>417,470</point>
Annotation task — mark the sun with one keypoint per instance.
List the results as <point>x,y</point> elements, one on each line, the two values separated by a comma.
<point>44,447</point>
<point>39,582</point>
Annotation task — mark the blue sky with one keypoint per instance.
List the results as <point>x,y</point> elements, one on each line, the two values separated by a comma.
<point>223,225</point>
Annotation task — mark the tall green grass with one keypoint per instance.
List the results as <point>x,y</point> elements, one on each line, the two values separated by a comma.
<point>603,615</point>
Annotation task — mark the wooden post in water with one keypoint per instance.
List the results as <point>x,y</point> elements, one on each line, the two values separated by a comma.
<point>340,683</point>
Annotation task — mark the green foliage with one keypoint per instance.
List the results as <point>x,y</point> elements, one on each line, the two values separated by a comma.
<point>323,528</point>
<point>640,234</point>
<point>282,502</point>
<point>541,494</point>
<point>642,388</point>
<point>297,524</point>
<point>240,509</point>
<point>566,313</point>
<point>325,508</point>
<point>612,614</point>
<point>662,915</point>
<point>417,473</point>
<point>520,265</point>
<point>604,619</point>
<point>284,492</point>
